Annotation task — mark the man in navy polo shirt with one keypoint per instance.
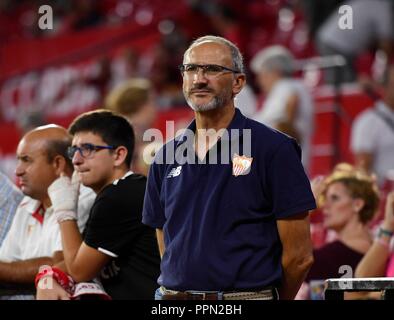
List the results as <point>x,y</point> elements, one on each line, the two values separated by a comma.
<point>229,198</point>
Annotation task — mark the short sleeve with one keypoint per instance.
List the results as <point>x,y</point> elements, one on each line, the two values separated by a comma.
<point>111,227</point>
<point>363,137</point>
<point>153,214</point>
<point>288,186</point>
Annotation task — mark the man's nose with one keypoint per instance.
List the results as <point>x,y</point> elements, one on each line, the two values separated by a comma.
<point>199,76</point>
<point>19,170</point>
<point>77,158</point>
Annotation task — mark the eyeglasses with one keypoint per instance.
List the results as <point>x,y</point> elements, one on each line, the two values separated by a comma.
<point>86,150</point>
<point>209,70</point>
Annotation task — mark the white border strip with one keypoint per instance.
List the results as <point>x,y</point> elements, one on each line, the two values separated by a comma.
<point>108,253</point>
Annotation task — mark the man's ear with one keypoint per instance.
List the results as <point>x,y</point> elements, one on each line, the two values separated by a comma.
<point>59,164</point>
<point>358,204</point>
<point>120,155</point>
<point>239,83</point>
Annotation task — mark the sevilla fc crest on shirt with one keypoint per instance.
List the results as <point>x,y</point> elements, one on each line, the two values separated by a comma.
<point>241,165</point>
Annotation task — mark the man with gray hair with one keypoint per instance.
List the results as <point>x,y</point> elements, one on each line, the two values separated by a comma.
<point>369,25</point>
<point>288,106</point>
<point>235,229</point>
<point>372,134</point>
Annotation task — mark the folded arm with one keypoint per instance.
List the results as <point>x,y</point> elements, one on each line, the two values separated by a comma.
<point>24,271</point>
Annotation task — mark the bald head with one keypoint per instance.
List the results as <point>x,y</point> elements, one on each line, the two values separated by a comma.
<point>42,157</point>
<point>235,54</point>
<point>51,139</point>
<point>48,132</point>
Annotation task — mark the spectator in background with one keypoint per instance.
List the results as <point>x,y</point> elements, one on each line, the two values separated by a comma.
<point>134,100</point>
<point>246,101</point>
<point>10,197</point>
<point>349,200</point>
<point>372,136</point>
<point>371,27</point>
<point>316,12</point>
<point>34,236</point>
<point>318,183</point>
<point>126,66</point>
<point>379,260</point>
<point>288,106</point>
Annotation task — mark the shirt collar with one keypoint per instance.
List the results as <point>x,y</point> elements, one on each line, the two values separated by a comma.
<point>128,173</point>
<point>238,122</point>
<point>382,107</point>
<point>31,205</point>
<point>35,209</point>
<point>39,214</point>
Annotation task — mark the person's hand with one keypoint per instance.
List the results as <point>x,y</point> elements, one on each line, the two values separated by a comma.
<point>49,289</point>
<point>317,186</point>
<point>63,193</point>
<point>303,292</point>
<point>388,221</point>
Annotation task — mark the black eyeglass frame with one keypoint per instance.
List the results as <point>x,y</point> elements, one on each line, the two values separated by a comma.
<point>204,67</point>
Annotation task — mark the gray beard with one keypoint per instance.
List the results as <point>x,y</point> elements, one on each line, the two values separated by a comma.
<point>213,104</point>
<point>216,102</point>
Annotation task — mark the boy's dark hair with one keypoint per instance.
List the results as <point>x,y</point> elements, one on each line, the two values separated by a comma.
<point>112,128</point>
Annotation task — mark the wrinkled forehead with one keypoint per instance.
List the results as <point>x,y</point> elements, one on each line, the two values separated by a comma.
<point>209,52</point>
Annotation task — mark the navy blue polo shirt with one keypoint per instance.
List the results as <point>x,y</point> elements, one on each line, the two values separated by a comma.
<point>220,229</point>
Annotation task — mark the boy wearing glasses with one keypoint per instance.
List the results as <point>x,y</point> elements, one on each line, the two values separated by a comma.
<point>116,247</point>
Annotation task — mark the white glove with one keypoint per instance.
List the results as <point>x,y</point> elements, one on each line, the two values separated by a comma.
<point>63,193</point>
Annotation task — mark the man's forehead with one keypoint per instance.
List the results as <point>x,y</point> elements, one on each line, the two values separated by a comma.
<point>86,137</point>
<point>208,52</point>
<point>31,147</point>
